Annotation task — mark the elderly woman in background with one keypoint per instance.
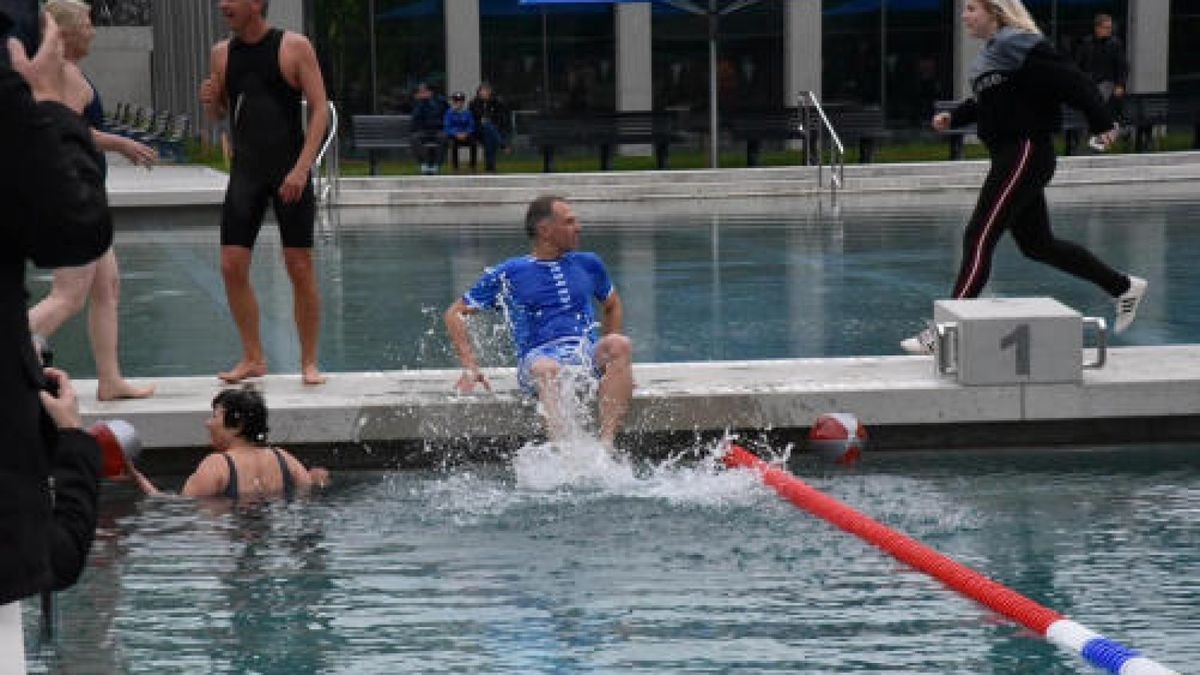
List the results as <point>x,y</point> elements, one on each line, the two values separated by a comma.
<point>99,280</point>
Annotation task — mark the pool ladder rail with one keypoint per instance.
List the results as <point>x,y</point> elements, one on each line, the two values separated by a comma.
<point>327,166</point>
<point>820,138</point>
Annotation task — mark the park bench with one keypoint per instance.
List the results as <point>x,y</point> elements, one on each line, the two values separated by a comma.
<point>855,125</point>
<point>375,133</point>
<point>752,128</point>
<point>604,131</point>
<point>1144,112</point>
<point>860,125</point>
<point>1185,112</point>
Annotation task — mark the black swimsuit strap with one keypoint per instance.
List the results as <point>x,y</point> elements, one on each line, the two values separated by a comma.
<point>289,483</point>
<point>231,489</point>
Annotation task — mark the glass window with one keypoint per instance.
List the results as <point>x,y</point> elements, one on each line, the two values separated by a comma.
<point>1183,65</point>
<point>342,41</point>
<point>850,60</point>
<point>919,43</point>
<point>893,53</point>
<point>551,57</point>
<point>410,48</point>
<point>749,58</point>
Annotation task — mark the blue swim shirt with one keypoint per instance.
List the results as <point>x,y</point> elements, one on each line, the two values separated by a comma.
<point>544,299</point>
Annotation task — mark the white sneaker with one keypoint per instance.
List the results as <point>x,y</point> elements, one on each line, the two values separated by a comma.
<point>920,344</point>
<point>1127,303</point>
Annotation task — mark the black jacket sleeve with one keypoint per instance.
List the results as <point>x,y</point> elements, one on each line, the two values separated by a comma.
<point>1055,76</point>
<point>53,168</point>
<point>76,498</point>
<point>964,113</point>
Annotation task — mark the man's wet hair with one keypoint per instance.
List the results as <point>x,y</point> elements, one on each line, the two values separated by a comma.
<point>540,209</point>
<point>245,410</point>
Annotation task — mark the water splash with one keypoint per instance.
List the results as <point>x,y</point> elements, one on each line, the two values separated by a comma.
<point>587,468</point>
<point>577,462</point>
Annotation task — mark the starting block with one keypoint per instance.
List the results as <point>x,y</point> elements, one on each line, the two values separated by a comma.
<point>994,341</point>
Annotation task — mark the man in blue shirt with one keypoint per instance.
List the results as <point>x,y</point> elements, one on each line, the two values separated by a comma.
<point>547,298</point>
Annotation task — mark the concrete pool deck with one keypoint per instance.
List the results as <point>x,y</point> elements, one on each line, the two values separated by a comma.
<point>411,418</point>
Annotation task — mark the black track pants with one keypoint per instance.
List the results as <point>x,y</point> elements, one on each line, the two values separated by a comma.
<point>1013,199</point>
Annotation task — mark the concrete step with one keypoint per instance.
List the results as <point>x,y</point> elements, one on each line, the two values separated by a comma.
<point>641,187</point>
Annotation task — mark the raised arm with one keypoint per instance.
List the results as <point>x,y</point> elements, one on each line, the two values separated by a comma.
<point>212,90</point>
<point>456,327</point>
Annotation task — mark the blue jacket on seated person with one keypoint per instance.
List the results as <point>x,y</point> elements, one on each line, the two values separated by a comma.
<point>458,121</point>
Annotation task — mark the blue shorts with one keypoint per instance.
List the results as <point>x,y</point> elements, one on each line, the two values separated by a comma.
<point>570,351</point>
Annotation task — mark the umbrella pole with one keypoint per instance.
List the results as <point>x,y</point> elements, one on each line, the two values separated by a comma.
<point>713,131</point>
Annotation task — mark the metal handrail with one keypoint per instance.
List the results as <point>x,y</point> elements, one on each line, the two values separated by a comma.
<point>325,175</point>
<point>837,156</point>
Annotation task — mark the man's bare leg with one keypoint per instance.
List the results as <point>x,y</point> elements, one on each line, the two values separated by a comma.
<point>614,355</point>
<point>103,330</point>
<point>545,374</point>
<point>235,269</point>
<point>306,306</point>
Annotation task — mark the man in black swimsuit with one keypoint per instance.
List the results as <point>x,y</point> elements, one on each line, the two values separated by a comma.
<point>258,78</point>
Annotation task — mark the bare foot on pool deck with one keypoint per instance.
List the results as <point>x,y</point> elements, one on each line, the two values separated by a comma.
<point>242,371</point>
<point>310,375</point>
<point>122,389</point>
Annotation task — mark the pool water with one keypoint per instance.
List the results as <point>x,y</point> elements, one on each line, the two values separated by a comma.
<point>560,562</point>
<point>566,564</point>
<point>813,282</point>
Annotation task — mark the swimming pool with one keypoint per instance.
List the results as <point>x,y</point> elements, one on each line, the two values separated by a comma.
<point>541,567</point>
<point>812,282</point>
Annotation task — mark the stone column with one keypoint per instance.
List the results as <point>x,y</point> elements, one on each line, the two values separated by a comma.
<point>1147,45</point>
<point>634,80</point>
<point>463,51</point>
<point>635,83</point>
<point>119,64</point>
<point>802,50</point>
<point>287,14</point>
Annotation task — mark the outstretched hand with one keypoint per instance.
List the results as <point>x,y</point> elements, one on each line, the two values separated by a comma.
<point>139,153</point>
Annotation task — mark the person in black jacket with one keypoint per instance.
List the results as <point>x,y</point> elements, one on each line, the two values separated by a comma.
<point>491,123</point>
<point>56,214</point>
<point>1020,83</point>
<point>427,139</point>
<point>1102,56</point>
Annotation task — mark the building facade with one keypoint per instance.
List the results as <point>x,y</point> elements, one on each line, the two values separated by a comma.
<point>897,54</point>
